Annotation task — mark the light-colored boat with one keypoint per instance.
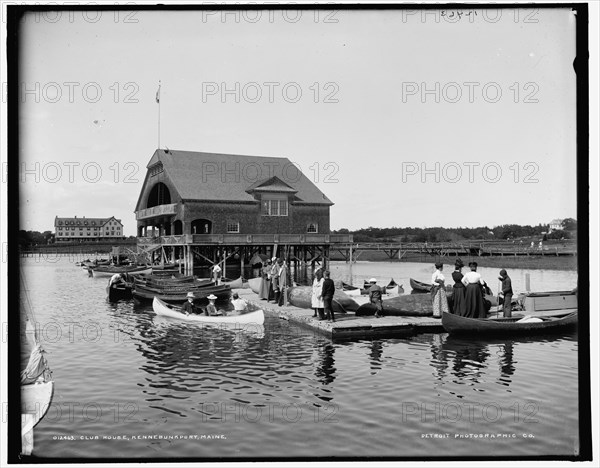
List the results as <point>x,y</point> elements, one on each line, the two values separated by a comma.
<point>301,296</point>
<point>254,284</point>
<point>164,309</point>
<point>37,385</point>
<point>547,303</point>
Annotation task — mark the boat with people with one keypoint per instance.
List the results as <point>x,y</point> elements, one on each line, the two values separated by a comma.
<point>160,307</point>
<point>457,324</point>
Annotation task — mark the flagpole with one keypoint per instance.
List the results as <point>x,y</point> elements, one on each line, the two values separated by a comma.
<point>158,102</point>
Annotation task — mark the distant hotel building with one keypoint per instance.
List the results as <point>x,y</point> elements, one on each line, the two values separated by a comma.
<point>87,229</point>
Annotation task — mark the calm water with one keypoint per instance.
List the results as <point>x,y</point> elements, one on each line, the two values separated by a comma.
<point>281,391</point>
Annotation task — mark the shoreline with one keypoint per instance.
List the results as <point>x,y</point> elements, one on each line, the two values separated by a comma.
<point>547,262</point>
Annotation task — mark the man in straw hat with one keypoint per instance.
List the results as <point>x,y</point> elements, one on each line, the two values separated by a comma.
<point>188,307</point>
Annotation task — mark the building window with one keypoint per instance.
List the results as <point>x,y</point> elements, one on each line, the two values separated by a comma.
<point>233,226</point>
<point>274,207</point>
<point>312,228</point>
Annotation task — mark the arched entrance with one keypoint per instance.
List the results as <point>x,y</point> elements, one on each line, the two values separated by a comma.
<point>177,228</point>
<point>201,226</point>
<point>159,195</point>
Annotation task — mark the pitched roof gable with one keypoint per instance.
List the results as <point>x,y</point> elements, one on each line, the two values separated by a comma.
<point>227,177</point>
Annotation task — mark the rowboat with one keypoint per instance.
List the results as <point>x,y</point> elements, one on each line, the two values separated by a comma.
<point>419,286</point>
<point>547,303</point>
<point>391,288</point>
<point>119,292</point>
<point>457,324</point>
<point>105,271</point>
<point>233,284</point>
<point>162,308</point>
<point>254,284</point>
<point>404,305</point>
<point>301,297</point>
<point>144,294</point>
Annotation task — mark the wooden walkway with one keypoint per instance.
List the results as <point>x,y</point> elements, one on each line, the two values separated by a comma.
<point>347,326</point>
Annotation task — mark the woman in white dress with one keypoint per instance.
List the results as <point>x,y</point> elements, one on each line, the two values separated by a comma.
<point>438,291</point>
<point>317,299</point>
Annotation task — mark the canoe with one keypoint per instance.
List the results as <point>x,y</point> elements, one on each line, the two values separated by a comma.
<point>417,305</point>
<point>254,284</point>
<point>509,325</point>
<point>105,271</point>
<point>419,286</point>
<point>301,297</point>
<point>142,294</point>
<point>164,309</point>
<point>233,284</point>
<point>119,292</point>
<point>178,289</point>
<point>391,288</point>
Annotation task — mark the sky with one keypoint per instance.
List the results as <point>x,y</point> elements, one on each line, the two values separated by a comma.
<point>402,118</point>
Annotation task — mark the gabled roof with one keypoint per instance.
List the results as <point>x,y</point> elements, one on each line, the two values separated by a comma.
<point>227,177</point>
<point>556,221</point>
<point>273,184</point>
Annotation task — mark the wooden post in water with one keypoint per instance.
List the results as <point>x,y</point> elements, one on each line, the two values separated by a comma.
<point>527,282</point>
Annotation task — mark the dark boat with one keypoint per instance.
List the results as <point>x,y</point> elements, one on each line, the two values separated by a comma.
<point>119,292</point>
<point>417,305</point>
<point>301,297</point>
<point>419,286</point>
<point>148,294</point>
<point>457,324</point>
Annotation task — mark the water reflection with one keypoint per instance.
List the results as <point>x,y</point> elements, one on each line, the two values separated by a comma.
<point>325,371</point>
<point>375,356</point>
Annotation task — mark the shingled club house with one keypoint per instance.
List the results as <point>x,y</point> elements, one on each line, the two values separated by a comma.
<point>207,208</point>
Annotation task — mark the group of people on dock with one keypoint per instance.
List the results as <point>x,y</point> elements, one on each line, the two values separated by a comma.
<point>275,279</point>
<point>468,292</point>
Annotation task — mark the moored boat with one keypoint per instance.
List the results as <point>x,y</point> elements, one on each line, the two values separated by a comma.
<point>547,303</point>
<point>106,271</point>
<point>146,294</point>
<point>457,324</point>
<point>301,297</point>
<point>119,292</point>
<point>233,284</point>
<point>403,305</point>
<point>162,308</point>
<point>254,284</point>
<point>419,286</point>
<point>37,384</point>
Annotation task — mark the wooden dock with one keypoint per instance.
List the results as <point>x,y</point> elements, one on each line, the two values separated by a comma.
<point>347,326</point>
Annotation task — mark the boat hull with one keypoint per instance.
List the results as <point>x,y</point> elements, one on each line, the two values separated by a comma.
<point>161,308</point>
<point>103,272</point>
<point>417,305</point>
<point>142,294</point>
<point>301,297</point>
<point>456,324</point>
<point>254,284</point>
<point>119,293</point>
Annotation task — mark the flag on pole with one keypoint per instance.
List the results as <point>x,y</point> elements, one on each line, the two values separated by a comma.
<point>158,93</point>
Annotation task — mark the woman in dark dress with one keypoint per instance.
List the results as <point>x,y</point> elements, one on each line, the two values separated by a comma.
<point>458,290</point>
<point>474,306</point>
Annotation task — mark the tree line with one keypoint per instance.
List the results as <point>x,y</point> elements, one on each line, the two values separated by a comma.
<point>441,234</point>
